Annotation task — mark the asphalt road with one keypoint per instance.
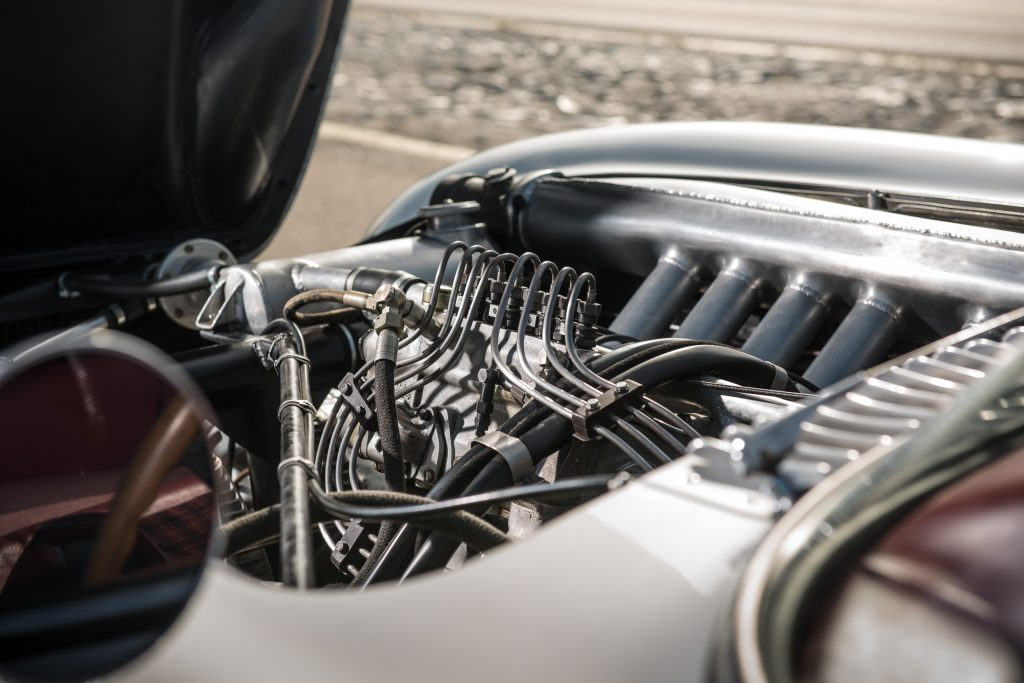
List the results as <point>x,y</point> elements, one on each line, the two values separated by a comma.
<point>989,30</point>
<point>346,185</point>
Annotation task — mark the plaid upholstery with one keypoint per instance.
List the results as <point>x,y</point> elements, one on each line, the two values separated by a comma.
<point>181,533</point>
<point>174,530</point>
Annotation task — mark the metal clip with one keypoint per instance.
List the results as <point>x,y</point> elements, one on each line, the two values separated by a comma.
<point>514,452</point>
<point>300,403</point>
<point>585,418</point>
<point>298,358</point>
<point>352,397</point>
<point>296,461</point>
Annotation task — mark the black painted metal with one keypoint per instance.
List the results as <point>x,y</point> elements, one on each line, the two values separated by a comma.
<point>182,119</point>
<point>789,326</point>
<point>862,339</point>
<point>671,286</point>
<point>725,306</point>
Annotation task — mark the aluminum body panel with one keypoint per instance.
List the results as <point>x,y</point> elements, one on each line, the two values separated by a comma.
<point>611,591</point>
<point>828,156</point>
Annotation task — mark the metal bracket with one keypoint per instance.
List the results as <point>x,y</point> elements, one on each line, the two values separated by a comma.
<point>442,454</point>
<point>350,394</point>
<point>195,254</point>
<point>347,555</point>
<point>584,419</point>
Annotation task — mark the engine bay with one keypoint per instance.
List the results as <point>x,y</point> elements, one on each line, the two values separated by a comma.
<point>647,372</point>
<point>516,385</point>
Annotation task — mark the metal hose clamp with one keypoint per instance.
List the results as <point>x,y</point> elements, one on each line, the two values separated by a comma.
<point>296,461</point>
<point>514,452</point>
<point>297,357</point>
<point>62,288</point>
<point>300,403</point>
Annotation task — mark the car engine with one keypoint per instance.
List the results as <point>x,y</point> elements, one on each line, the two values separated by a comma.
<point>634,322</point>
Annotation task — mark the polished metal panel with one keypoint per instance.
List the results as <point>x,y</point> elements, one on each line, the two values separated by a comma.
<point>898,273</point>
<point>748,152</point>
<point>931,417</point>
<point>625,223</point>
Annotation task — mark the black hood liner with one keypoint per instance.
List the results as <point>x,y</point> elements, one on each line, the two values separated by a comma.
<point>129,126</point>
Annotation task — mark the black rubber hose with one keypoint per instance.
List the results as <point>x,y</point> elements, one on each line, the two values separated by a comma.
<point>613,338</point>
<point>546,437</point>
<point>555,428</point>
<point>661,362</point>
<point>387,424</point>
<point>391,448</point>
<point>748,391</point>
<point>296,429</point>
<point>263,526</point>
<point>472,465</point>
<point>693,361</point>
<point>631,354</point>
<point>296,549</point>
<point>422,508</point>
<point>455,479</point>
<point>44,295</point>
<point>146,289</point>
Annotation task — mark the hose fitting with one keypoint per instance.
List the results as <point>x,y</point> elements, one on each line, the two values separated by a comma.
<point>388,326</point>
<point>413,315</point>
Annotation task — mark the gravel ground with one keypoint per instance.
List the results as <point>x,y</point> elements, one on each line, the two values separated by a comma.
<point>478,87</point>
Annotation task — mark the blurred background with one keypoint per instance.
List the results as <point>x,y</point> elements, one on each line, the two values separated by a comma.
<point>423,83</point>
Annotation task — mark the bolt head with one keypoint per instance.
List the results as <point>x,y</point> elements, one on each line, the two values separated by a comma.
<point>389,295</point>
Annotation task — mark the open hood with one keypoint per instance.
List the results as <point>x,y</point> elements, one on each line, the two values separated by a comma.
<point>128,127</point>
